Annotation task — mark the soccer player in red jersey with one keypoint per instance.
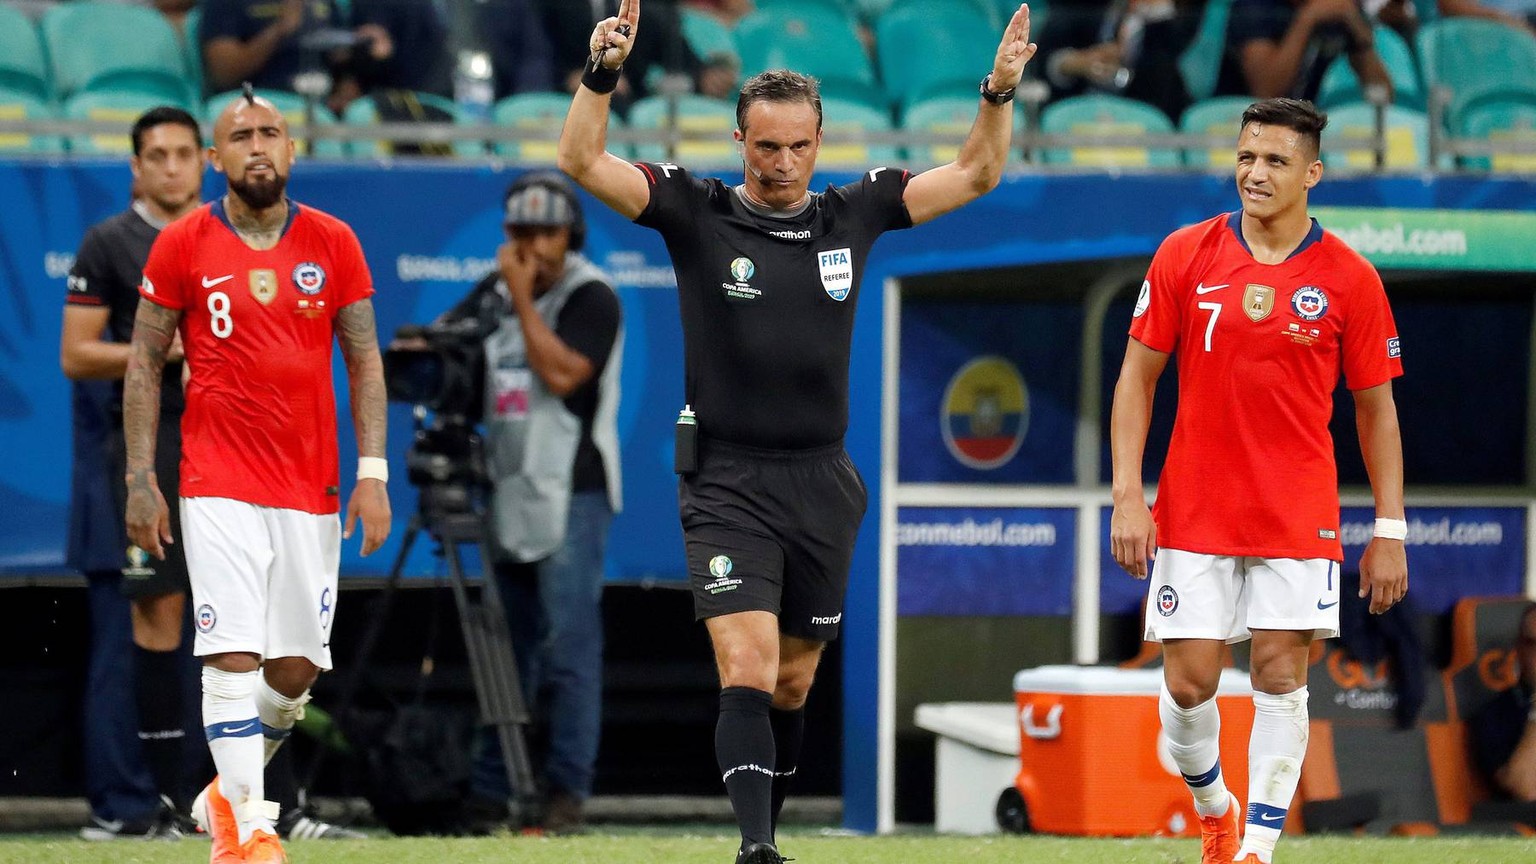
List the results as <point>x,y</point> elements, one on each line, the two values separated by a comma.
<point>258,288</point>
<point>1263,308</point>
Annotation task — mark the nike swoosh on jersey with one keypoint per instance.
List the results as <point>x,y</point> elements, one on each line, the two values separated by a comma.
<point>1204,289</point>
<point>209,283</point>
<point>1321,605</point>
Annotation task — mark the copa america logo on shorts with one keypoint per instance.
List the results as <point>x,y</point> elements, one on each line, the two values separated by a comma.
<point>206,618</point>
<point>720,566</point>
<point>1167,601</point>
<point>308,278</point>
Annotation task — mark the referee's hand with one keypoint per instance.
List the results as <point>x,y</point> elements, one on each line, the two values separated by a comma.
<point>148,517</point>
<point>1013,52</point>
<point>1133,537</point>
<point>614,38</point>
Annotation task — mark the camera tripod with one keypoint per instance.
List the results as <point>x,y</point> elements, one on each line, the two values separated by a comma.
<point>487,642</point>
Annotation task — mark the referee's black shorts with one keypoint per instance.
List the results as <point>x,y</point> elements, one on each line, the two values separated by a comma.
<point>772,531</point>
<point>143,574</point>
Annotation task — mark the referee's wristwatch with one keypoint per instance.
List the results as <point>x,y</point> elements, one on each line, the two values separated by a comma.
<point>996,98</point>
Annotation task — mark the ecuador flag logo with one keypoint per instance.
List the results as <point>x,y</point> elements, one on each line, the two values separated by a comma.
<point>985,412</point>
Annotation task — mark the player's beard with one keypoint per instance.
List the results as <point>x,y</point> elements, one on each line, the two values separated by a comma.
<point>259,194</point>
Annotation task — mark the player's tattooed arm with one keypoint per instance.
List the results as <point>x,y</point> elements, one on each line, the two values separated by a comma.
<point>358,335</point>
<point>154,333</point>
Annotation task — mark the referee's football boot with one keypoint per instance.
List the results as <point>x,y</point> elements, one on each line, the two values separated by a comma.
<point>760,853</point>
<point>1221,836</point>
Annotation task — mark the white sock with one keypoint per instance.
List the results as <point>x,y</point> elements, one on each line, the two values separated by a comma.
<point>233,729</point>
<point>1275,753</point>
<point>1194,742</point>
<point>278,714</point>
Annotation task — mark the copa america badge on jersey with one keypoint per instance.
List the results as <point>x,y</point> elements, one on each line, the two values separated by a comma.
<point>985,412</point>
<point>1167,601</point>
<point>1309,302</point>
<point>308,278</point>
<point>206,618</point>
<point>742,269</point>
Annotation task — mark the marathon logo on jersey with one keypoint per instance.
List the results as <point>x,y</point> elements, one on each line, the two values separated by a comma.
<point>1394,348</point>
<point>78,285</point>
<point>308,278</point>
<point>742,270</point>
<point>1309,302</point>
<point>207,619</point>
<point>264,286</point>
<point>1143,299</point>
<point>836,272</point>
<point>1167,601</point>
<point>1258,302</point>
<point>826,619</point>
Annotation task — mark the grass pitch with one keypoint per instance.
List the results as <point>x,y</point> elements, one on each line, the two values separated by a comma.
<point>710,846</point>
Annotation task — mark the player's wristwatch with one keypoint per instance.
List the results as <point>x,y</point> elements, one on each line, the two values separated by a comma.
<point>996,98</point>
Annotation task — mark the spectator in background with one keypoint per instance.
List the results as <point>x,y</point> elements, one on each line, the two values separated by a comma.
<point>1515,13</point>
<point>416,58</point>
<point>521,57</point>
<point>1130,49</point>
<point>1503,733</point>
<point>1282,47</point>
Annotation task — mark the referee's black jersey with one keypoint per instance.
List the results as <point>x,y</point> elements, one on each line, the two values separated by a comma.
<point>768,303</point>
<point>107,272</point>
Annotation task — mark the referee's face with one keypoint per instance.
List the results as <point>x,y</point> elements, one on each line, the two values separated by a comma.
<point>168,169</point>
<point>779,147</point>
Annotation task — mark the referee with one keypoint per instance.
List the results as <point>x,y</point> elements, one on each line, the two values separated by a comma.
<point>768,277</point>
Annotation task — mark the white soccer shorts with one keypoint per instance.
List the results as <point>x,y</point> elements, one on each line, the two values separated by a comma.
<point>1196,596</point>
<point>263,578</point>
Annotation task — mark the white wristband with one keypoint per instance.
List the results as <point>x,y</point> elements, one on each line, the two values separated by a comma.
<point>373,468</point>
<point>1391,529</point>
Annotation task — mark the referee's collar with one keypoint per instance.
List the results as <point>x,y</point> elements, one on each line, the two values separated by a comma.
<point>1235,222</point>
<point>218,211</point>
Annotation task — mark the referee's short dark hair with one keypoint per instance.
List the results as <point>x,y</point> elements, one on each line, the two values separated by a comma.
<point>777,85</point>
<point>160,115</point>
<point>1298,115</point>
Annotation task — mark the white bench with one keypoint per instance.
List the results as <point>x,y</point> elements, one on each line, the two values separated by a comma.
<point>976,758</point>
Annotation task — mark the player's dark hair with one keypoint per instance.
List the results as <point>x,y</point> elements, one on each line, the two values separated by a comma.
<point>161,115</point>
<point>778,85</point>
<point>1298,115</point>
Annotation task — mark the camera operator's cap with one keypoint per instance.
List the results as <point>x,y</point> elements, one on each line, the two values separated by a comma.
<point>538,204</point>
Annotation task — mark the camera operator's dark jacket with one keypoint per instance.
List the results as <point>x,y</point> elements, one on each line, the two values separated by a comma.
<point>536,445</point>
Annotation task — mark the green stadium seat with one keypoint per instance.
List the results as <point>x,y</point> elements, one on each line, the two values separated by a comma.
<point>1106,115</point>
<point>1477,59</point>
<point>843,123</point>
<point>1216,116</point>
<point>1512,119</point>
<point>1341,85</point>
<point>1201,61</point>
<point>191,51</point>
<point>1347,138</point>
<point>19,105</point>
<point>120,107</point>
<point>995,12</point>
<point>22,68</point>
<point>363,112</point>
<point>931,48</point>
<point>707,36</point>
<point>708,122</point>
<point>952,115</point>
<point>291,106</point>
<point>812,38</point>
<point>544,114</point>
<point>111,46</point>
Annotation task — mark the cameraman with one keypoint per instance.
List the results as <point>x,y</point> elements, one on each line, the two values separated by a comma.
<point>552,448</point>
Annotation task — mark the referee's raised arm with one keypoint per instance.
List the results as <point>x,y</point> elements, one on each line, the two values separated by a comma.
<point>583,140</point>
<point>979,165</point>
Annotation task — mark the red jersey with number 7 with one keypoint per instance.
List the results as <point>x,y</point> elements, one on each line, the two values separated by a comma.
<point>1259,350</point>
<point>258,327</point>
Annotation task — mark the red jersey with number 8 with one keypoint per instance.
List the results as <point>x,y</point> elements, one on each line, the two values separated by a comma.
<point>258,327</point>
<point>1259,349</point>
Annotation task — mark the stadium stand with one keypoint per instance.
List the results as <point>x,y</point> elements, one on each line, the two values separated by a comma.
<point>22,67</point>
<point>1106,115</point>
<point>947,38</point>
<point>540,114</point>
<point>707,123</point>
<point>1220,115</point>
<point>1201,61</point>
<point>1341,85</point>
<point>365,112</point>
<point>291,106</point>
<point>707,36</point>
<point>1347,140</point>
<point>950,115</point>
<point>17,105</point>
<point>120,107</point>
<point>96,47</point>
<point>1508,120</point>
<point>1477,60</point>
<point>810,37</point>
<point>844,127</point>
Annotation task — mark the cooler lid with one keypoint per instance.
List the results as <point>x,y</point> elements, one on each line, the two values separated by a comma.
<point>990,726</point>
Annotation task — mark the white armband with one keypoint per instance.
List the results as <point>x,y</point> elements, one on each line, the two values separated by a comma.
<point>373,468</point>
<point>1391,529</point>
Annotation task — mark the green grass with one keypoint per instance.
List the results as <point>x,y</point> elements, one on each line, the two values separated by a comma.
<point>629,846</point>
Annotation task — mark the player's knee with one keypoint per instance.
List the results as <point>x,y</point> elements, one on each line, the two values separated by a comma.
<point>290,676</point>
<point>157,622</point>
<point>792,689</point>
<point>1188,692</point>
<point>233,662</point>
<point>746,665</point>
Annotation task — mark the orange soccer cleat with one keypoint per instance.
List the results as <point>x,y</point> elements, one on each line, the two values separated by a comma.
<point>263,848</point>
<point>1250,858</point>
<point>216,817</point>
<point>1220,835</point>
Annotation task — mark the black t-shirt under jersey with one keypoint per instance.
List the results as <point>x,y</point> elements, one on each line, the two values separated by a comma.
<point>768,303</point>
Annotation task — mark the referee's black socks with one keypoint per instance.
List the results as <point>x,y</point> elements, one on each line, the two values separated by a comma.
<point>159,677</point>
<point>745,752</point>
<point>788,731</point>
